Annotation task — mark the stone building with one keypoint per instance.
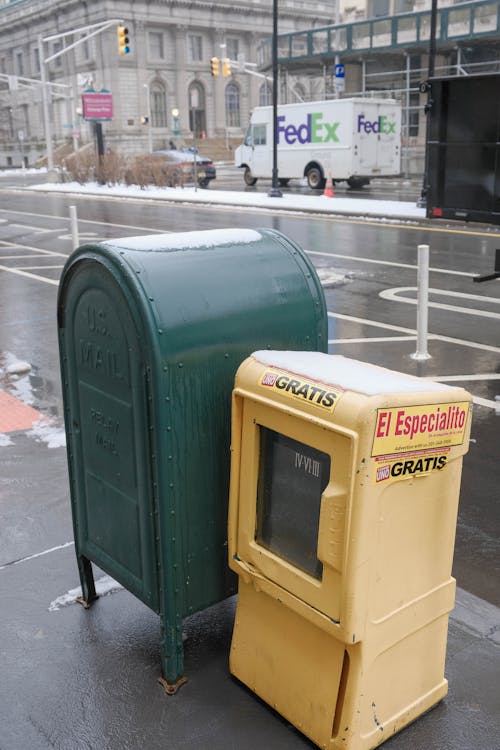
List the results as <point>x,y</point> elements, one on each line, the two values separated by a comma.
<point>166,72</point>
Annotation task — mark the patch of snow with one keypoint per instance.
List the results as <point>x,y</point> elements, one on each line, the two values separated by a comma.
<point>5,440</point>
<point>349,374</point>
<point>18,368</point>
<point>21,171</point>
<point>103,586</point>
<point>345,206</point>
<point>45,431</point>
<point>329,278</point>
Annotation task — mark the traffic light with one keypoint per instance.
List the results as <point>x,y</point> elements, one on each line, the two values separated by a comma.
<point>123,40</point>
<point>214,66</point>
<point>226,67</point>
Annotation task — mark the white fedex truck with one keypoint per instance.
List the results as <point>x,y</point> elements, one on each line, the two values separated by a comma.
<point>345,139</point>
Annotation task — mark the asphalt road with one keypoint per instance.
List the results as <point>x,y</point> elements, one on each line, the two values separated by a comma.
<point>369,273</point>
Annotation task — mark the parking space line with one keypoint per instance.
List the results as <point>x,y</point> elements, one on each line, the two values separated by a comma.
<point>432,336</point>
<point>484,376</point>
<point>29,275</point>
<point>393,263</point>
<point>38,268</point>
<point>40,250</point>
<point>372,339</point>
<point>20,257</point>
<point>393,295</point>
<point>37,554</point>
<point>31,228</point>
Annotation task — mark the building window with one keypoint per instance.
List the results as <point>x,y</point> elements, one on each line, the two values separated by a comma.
<point>197,119</point>
<point>20,63</point>
<point>413,114</point>
<point>25,121</point>
<point>379,8</point>
<point>232,48</point>
<point>57,48</point>
<point>195,47</point>
<point>404,6</point>
<point>265,95</point>
<point>36,60</point>
<point>156,45</point>
<point>158,106</point>
<point>85,50</point>
<point>232,106</point>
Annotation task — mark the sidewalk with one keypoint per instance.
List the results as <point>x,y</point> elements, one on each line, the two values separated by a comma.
<point>311,204</point>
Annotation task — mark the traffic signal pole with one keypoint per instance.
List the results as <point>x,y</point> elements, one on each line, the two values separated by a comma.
<point>89,31</point>
<point>275,191</point>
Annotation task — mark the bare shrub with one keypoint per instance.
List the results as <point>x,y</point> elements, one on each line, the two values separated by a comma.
<point>115,169</point>
<point>81,167</point>
<point>152,170</point>
<point>111,168</point>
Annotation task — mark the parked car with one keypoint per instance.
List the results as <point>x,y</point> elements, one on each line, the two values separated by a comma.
<point>189,166</point>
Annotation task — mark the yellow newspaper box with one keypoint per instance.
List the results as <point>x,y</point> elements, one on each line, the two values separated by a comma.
<point>345,480</point>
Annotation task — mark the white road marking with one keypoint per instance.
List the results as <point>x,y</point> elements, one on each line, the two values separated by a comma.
<point>19,257</point>
<point>35,276</point>
<point>39,268</point>
<point>84,221</point>
<point>37,554</point>
<point>484,376</point>
<point>8,244</point>
<point>432,336</point>
<point>393,296</point>
<point>31,228</point>
<point>393,263</point>
<point>372,340</point>
<point>82,235</point>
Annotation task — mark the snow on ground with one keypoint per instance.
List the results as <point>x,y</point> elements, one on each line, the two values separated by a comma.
<point>48,432</point>
<point>289,202</point>
<point>19,171</point>
<point>103,586</point>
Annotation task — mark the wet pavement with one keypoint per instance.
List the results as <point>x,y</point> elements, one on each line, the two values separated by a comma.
<point>73,678</point>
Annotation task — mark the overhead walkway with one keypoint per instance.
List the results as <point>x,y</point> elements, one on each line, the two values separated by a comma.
<point>473,21</point>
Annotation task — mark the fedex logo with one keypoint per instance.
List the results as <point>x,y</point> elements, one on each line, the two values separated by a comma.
<point>380,125</point>
<point>314,130</point>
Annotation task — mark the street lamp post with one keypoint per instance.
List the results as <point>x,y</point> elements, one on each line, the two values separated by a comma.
<point>175,123</point>
<point>275,191</point>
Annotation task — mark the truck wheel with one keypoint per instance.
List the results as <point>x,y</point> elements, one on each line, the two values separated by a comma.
<point>248,177</point>
<point>315,178</point>
<point>357,182</point>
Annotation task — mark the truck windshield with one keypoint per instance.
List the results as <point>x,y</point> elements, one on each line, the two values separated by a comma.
<point>248,136</point>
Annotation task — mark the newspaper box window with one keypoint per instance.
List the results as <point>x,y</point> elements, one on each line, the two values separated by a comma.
<point>292,478</point>
<point>342,513</point>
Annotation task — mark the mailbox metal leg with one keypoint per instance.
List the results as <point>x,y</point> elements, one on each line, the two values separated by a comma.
<point>87,581</point>
<point>172,656</point>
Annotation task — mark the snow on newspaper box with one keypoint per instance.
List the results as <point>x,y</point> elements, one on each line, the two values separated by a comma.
<point>345,480</point>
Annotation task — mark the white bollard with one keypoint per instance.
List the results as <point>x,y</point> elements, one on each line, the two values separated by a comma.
<point>74,227</point>
<point>422,303</point>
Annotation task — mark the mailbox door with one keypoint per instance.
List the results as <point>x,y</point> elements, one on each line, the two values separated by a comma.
<point>106,410</point>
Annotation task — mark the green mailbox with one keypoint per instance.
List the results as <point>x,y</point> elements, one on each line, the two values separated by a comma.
<point>151,332</point>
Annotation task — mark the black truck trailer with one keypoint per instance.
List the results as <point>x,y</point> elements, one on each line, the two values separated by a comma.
<point>463,142</point>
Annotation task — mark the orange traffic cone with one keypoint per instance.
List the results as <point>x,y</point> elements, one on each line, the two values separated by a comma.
<point>328,193</point>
